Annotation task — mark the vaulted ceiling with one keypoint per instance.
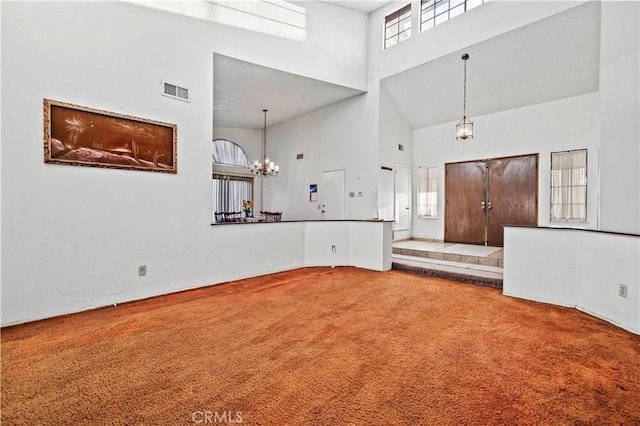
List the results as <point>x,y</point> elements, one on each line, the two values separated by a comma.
<point>554,58</point>
<point>551,59</point>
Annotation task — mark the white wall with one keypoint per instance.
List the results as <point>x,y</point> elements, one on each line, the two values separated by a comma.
<point>73,237</point>
<point>620,111</point>
<point>340,243</point>
<point>566,124</point>
<point>339,136</point>
<point>393,130</point>
<point>576,268</point>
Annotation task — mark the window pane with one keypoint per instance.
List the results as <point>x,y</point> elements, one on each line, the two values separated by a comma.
<point>427,196</point>
<point>405,24</point>
<point>428,12</point>
<point>569,185</point>
<point>442,6</point>
<point>427,24</point>
<point>390,32</point>
<point>405,35</point>
<point>392,41</point>
<point>405,12</point>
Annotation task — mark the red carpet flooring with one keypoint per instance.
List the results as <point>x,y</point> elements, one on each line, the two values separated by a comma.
<point>320,346</point>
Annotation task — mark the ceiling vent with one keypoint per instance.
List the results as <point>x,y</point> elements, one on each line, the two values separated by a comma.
<point>173,91</point>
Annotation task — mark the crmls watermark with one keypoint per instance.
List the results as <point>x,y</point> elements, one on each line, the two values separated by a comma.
<point>216,417</point>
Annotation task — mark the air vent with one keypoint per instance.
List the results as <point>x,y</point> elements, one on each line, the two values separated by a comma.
<point>174,91</point>
<point>299,156</point>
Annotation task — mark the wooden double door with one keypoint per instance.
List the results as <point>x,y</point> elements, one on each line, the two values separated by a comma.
<point>482,196</point>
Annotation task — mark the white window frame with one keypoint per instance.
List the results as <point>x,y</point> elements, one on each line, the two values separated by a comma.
<point>397,25</point>
<point>568,186</point>
<point>434,12</point>
<point>427,193</point>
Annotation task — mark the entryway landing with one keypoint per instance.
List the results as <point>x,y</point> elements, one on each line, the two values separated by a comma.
<point>469,263</point>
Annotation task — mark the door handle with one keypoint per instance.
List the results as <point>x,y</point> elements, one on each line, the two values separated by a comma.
<point>482,204</point>
<point>489,206</point>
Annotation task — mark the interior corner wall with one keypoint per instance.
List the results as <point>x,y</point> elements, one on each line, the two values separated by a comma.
<point>73,237</point>
<point>537,129</point>
<point>394,130</point>
<point>620,111</point>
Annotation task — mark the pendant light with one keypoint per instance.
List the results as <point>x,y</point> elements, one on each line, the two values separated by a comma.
<point>464,128</point>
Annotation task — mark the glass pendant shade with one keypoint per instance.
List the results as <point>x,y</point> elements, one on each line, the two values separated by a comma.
<point>464,129</point>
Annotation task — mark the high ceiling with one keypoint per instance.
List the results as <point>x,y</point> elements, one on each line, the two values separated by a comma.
<point>241,90</point>
<point>550,59</point>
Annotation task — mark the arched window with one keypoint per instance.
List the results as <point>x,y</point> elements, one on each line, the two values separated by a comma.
<point>229,153</point>
<point>232,181</point>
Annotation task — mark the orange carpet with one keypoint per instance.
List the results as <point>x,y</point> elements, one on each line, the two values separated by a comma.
<point>321,346</point>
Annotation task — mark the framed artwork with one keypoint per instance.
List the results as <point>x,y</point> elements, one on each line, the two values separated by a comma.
<point>81,136</point>
<point>313,193</point>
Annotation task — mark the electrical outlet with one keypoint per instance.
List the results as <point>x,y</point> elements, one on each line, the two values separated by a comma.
<point>142,270</point>
<point>623,290</point>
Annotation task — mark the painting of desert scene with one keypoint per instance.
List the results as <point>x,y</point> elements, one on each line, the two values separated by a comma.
<point>77,135</point>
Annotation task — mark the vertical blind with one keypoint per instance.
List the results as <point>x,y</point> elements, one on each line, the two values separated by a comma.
<point>229,191</point>
<point>569,185</point>
<point>427,201</point>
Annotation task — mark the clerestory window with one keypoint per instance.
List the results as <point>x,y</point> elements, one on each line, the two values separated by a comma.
<point>397,26</point>
<point>434,12</point>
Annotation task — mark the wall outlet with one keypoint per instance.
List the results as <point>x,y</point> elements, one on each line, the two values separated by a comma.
<point>142,270</point>
<point>333,248</point>
<point>623,290</point>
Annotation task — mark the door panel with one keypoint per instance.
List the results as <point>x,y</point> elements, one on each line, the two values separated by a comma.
<point>512,190</point>
<point>402,197</point>
<point>464,217</point>
<point>333,194</point>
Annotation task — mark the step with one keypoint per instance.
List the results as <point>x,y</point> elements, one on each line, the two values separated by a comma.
<point>469,263</point>
<point>490,276</point>
<point>491,260</point>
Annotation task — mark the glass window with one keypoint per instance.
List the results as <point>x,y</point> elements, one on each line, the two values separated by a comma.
<point>427,201</point>
<point>235,184</point>
<point>434,12</point>
<point>229,192</point>
<point>397,26</point>
<point>569,185</point>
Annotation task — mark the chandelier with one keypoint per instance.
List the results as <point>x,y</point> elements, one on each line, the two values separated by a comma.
<point>266,168</point>
<point>464,128</point>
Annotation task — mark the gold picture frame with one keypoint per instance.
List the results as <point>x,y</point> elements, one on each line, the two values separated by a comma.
<point>81,136</point>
